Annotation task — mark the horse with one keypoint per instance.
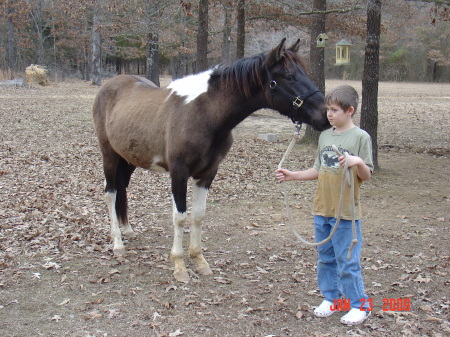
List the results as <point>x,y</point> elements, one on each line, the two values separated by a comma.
<point>186,129</point>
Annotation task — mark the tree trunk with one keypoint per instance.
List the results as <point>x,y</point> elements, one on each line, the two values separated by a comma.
<point>11,42</point>
<point>226,35</point>
<point>317,62</point>
<point>38,22</point>
<point>240,38</point>
<point>96,48</point>
<point>152,58</point>
<point>369,105</point>
<point>152,44</point>
<point>202,36</point>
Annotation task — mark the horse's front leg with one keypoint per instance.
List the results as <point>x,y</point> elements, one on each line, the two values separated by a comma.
<point>199,195</point>
<point>179,190</point>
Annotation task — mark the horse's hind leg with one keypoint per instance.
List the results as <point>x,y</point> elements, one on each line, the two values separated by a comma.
<point>199,195</point>
<point>123,175</point>
<point>110,163</point>
<point>116,236</point>
<point>117,176</point>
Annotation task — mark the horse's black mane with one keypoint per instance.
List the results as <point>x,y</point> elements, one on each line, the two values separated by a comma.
<point>250,72</point>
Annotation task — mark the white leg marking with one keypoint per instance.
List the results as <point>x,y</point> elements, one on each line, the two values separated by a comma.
<point>179,220</point>
<point>199,195</point>
<point>176,254</point>
<point>118,247</point>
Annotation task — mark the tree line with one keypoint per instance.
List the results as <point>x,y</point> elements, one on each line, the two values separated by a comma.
<point>94,38</point>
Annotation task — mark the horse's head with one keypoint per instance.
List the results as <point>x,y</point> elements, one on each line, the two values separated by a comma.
<point>290,91</point>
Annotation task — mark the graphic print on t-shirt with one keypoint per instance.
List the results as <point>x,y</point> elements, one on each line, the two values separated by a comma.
<point>329,158</point>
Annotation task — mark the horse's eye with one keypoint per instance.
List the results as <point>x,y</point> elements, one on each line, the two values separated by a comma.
<point>290,77</point>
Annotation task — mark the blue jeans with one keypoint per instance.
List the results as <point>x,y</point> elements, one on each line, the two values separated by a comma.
<point>338,277</point>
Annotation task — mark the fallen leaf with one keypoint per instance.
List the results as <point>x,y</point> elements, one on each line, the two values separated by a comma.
<point>56,318</point>
<point>421,279</point>
<point>51,265</point>
<point>113,313</point>
<point>67,300</point>
<point>426,308</point>
<point>176,333</point>
<point>281,300</point>
<point>92,315</point>
<point>433,319</point>
<point>222,280</point>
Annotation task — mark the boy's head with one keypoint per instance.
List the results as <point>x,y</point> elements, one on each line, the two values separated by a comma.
<point>344,96</point>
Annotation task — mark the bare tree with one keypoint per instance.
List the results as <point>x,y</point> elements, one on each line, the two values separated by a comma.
<point>152,42</point>
<point>202,36</point>
<point>369,105</point>
<point>226,40</point>
<point>96,77</point>
<point>240,38</point>
<point>11,42</point>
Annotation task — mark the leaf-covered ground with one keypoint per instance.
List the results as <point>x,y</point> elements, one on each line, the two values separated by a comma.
<point>58,276</point>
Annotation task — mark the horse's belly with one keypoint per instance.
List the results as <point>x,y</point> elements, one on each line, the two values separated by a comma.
<point>138,140</point>
<point>140,153</point>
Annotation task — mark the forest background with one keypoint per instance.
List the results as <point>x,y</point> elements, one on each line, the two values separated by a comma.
<point>140,36</point>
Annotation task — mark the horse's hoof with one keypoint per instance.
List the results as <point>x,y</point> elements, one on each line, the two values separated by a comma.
<point>204,270</point>
<point>119,251</point>
<point>129,233</point>
<point>181,276</point>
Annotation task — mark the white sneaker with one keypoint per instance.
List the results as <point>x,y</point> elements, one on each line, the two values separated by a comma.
<point>324,309</point>
<point>355,316</point>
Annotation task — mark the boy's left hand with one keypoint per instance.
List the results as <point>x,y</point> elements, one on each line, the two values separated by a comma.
<point>352,161</point>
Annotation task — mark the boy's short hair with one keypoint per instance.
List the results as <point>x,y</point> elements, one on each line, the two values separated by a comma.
<point>345,96</point>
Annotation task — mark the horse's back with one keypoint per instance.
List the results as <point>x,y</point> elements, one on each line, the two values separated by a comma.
<point>126,111</point>
<point>126,95</point>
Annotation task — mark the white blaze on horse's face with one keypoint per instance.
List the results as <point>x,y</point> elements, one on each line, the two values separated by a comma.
<point>191,86</point>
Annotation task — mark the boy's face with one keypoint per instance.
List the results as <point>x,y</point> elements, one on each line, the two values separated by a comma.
<point>337,116</point>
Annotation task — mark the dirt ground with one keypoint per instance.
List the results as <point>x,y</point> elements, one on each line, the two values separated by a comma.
<point>58,276</point>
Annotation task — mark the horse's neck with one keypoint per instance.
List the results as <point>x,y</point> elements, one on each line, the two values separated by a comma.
<point>234,111</point>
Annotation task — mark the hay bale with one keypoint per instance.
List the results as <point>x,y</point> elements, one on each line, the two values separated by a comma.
<point>36,74</point>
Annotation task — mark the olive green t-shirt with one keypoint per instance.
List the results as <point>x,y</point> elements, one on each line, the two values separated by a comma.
<point>326,201</point>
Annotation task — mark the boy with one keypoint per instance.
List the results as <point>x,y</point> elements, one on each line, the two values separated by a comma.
<point>336,275</point>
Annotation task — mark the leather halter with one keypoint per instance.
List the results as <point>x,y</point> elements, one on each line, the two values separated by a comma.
<point>297,101</point>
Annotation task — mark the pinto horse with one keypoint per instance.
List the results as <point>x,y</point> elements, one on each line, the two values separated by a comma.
<point>185,129</point>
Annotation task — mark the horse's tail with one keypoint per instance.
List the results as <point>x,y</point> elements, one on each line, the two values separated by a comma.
<point>123,175</point>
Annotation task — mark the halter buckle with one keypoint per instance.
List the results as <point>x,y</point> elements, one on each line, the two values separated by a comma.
<point>273,84</point>
<point>297,102</point>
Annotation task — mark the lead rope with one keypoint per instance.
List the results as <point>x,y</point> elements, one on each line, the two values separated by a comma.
<point>347,177</point>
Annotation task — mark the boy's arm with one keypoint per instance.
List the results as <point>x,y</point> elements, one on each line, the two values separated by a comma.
<point>286,175</point>
<point>362,170</point>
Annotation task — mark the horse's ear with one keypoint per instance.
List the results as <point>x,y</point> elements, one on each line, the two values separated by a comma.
<point>280,49</point>
<point>295,47</point>
<point>276,53</point>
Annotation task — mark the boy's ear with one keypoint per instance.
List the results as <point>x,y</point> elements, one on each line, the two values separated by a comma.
<point>351,110</point>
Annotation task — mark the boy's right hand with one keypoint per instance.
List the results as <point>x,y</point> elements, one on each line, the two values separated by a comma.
<point>282,174</point>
